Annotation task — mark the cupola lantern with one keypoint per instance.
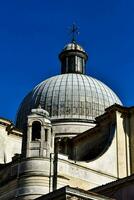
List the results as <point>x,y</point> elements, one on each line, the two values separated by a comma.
<point>73,59</point>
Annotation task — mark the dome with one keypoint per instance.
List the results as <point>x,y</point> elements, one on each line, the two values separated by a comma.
<point>73,46</point>
<point>68,97</point>
<point>72,99</point>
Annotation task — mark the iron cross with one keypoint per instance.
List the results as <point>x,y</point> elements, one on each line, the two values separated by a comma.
<point>74,31</point>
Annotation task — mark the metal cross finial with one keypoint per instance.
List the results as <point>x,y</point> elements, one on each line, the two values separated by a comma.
<point>74,31</point>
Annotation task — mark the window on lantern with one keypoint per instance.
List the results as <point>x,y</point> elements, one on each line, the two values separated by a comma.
<point>71,64</point>
<point>36,131</point>
<point>80,64</point>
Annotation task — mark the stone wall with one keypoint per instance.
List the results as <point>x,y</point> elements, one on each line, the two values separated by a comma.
<point>10,141</point>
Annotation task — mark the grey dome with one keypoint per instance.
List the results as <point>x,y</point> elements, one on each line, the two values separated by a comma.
<point>68,97</point>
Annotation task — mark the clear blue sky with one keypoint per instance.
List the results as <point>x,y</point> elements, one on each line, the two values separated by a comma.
<point>32,33</point>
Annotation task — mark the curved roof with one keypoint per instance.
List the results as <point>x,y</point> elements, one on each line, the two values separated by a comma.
<point>69,97</point>
<point>73,46</point>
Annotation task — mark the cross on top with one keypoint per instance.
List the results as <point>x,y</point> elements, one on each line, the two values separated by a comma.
<point>74,32</point>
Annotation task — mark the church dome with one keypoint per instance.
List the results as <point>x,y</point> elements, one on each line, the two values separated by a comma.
<point>71,96</point>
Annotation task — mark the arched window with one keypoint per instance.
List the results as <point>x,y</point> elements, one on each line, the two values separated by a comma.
<point>36,130</point>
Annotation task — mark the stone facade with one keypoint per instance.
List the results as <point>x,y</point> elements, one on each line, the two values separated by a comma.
<point>10,141</point>
<point>35,174</point>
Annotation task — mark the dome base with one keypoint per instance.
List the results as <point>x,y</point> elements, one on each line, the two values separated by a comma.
<point>70,129</point>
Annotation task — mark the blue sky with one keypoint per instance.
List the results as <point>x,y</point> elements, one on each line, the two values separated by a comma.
<point>32,33</point>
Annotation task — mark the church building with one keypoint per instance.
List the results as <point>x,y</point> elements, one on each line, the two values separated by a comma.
<point>73,139</point>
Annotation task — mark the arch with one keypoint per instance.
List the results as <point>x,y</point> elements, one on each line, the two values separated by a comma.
<point>36,130</point>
